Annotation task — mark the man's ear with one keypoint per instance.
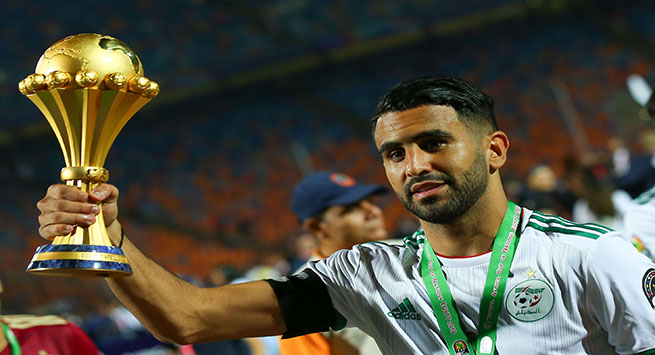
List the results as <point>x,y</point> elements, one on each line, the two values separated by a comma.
<point>312,225</point>
<point>498,143</point>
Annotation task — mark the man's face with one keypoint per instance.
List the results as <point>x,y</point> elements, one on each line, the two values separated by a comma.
<point>434,163</point>
<point>356,223</point>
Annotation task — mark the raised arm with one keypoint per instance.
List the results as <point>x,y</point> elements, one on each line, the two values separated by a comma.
<point>172,309</point>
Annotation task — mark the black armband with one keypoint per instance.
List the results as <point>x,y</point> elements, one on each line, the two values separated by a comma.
<point>305,303</point>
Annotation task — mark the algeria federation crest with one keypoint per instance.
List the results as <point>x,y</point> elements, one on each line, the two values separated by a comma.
<point>530,300</point>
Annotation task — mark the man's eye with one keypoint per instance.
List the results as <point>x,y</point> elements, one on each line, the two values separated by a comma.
<point>432,145</point>
<point>396,155</point>
<point>348,208</point>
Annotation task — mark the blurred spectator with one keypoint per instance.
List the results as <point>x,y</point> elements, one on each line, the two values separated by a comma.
<point>339,212</point>
<point>640,223</point>
<point>543,192</point>
<point>28,334</point>
<point>305,245</point>
<point>269,345</point>
<point>598,201</point>
<point>221,275</point>
<point>125,321</point>
<point>620,156</point>
<point>639,175</point>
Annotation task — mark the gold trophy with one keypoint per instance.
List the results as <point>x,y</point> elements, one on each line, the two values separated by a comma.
<point>87,86</point>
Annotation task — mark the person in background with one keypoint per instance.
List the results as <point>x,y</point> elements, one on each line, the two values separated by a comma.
<point>542,191</point>
<point>304,246</point>
<point>598,200</point>
<point>50,334</point>
<point>638,175</point>
<point>339,213</point>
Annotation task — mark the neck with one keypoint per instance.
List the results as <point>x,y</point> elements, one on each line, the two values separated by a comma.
<point>322,252</point>
<point>472,233</point>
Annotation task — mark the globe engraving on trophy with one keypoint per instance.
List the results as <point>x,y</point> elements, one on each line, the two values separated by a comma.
<point>87,86</point>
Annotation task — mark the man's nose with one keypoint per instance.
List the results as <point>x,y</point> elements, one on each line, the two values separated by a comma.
<point>418,162</point>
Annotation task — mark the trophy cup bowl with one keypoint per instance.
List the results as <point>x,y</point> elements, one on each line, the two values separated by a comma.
<point>87,86</point>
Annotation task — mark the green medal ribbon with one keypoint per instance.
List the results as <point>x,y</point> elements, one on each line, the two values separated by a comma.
<point>11,338</point>
<point>441,298</point>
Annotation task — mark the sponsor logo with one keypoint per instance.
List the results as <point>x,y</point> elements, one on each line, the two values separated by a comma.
<point>530,300</point>
<point>648,284</point>
<point>405,310</point>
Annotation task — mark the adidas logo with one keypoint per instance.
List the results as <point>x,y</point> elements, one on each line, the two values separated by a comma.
<point>405,310</point>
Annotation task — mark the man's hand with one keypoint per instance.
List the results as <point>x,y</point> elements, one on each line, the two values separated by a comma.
<point>65,207</point>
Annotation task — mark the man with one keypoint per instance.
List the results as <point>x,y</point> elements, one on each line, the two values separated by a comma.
<point>339,213</point>
<point>28,334</point>
<point>454,287</point>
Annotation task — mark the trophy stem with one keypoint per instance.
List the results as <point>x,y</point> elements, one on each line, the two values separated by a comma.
<point>85,251</point>
<point>96,234</point>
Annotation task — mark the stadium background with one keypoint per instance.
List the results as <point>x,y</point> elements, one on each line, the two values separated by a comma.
<point>256,94</point>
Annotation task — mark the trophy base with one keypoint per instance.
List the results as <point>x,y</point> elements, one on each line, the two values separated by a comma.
<point>79,260</point>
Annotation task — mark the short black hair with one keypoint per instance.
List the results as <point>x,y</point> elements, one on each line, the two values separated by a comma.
<point>474,108</point>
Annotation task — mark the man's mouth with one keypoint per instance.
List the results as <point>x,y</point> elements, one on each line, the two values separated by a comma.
<point>425,189</point>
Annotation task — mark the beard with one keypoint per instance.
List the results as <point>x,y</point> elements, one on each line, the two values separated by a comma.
<point>464,191</point>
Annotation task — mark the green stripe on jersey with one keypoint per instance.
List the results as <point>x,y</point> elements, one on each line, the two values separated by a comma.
<point>646,197</point>
<point>549,223</point>
<point>651,351</point>
<point>550,219</point>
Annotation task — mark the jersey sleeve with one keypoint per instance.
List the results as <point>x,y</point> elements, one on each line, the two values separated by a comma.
<point>314,299</point>
<point>304,303</point>
<point>620,293</point>
<point>339,273</point>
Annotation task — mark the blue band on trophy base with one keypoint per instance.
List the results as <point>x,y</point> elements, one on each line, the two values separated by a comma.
<point>79,248</point>
<point>83,259</point>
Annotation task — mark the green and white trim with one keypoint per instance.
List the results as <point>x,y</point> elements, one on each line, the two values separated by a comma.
<point>415,239</point>
<point>646,197</point>
<point>554,224</point>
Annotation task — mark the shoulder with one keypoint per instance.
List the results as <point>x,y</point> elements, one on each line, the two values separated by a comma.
<point>558,229</point>
<point>383,246</point>
<point>372,255</point>
<point>26,321</point>
<point>388,250</point>
<point>590,241</point>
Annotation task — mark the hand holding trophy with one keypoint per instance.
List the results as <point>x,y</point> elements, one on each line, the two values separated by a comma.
<point>87,86</point>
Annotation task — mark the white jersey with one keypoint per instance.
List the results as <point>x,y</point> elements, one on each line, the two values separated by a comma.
<point>573,289</point>
<point>640,220</point>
